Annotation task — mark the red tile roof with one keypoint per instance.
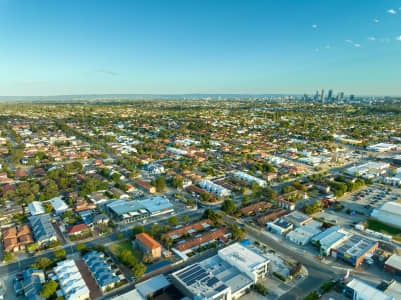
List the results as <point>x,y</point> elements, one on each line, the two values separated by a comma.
<point>147,241</point>
<point>76,228</point>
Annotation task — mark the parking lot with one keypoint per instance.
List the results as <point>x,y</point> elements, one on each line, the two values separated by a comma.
<point>371,197</point>
<point>358,206</point>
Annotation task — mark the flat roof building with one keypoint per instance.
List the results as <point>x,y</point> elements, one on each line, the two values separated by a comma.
<point>354,249</point>
<point>228,275</point>
<point>393,264</point>
<point>358,290</point>
<point>298,219</point>
<point>330,238</point>
<point>59,205</point>
<point>279,226</point>
<point>389,212</point>
<point>130,211</point>
<point>304,234</point>
<point>36,208</point>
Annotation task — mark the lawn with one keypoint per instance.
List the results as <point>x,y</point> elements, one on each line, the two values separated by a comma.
<point>117,248</point>
<point>384,228</point>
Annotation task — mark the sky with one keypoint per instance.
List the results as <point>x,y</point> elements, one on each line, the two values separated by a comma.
<point>69,47</point>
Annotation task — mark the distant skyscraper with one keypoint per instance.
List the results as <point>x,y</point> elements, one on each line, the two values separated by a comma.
<point>351,97</point>
<point>322,96</point>
<point>330,95</point>
<point>341,97</point>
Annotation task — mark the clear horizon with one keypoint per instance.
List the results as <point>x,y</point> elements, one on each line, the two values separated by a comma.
<point>183,47</point>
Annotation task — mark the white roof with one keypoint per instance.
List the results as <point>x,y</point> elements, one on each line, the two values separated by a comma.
<point>58,204</point>
<point>152,285</point>
<point>394,261</point>
<point>365,291</point>
<point>36,208</point>
<point>242,257</point>
<point>131,295</point>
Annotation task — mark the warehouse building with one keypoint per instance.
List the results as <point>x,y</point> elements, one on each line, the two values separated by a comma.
<point>393,265</point>
<point>130,211</point>
<point>354,250</point>
<point>304,234</point>
<point>358,290</point>
<point>389,212</point>
<point>329,239</point>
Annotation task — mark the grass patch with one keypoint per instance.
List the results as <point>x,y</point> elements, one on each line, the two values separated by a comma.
<point>384,228</point>
<point>117,248</point>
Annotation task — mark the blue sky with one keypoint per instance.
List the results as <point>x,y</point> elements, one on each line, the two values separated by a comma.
<point>58,47</point>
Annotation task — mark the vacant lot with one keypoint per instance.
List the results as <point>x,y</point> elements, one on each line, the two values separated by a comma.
<point>117,248</point>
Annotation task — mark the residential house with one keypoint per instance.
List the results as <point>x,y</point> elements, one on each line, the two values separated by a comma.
<point>16,238</point>
<point>42,229</point>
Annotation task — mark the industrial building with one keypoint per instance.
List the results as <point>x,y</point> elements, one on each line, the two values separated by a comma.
<point>393,265</point>
<point>358,290</point>
<point>130,211</point>
<point>228,275</point>
<point>354,249</point>
<point>330,238</point>
<point>389,212</point>
<point>383,147</point>
<point>304,234</point>
<point>368,170</point>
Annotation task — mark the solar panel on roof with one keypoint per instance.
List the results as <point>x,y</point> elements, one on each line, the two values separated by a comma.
<point>193,279</point>
<point>187,271</point>
<point>221,288</point>
<point>190,276</point>
<point>212,281</point>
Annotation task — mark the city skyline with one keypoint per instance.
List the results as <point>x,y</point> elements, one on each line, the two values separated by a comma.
<point>211,48</point>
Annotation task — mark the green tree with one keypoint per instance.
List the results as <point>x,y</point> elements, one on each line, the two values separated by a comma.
<point>238,233</point>
<point>185,218</point>
<point>228,206</point>
<point>147,258</point>
<point>159,183</point>
<point>261,288</point>
<point>138,270</point>
<point>211,215</point>
<point>8,257</point>
<point>60,253</point>
<point>42,263</point>
<point>138,229</point>
<point>81,247</point>
<point>49,288</point>
<point>173,220</point>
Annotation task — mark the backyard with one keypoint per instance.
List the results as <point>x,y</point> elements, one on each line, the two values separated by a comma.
<point>117,248</point>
